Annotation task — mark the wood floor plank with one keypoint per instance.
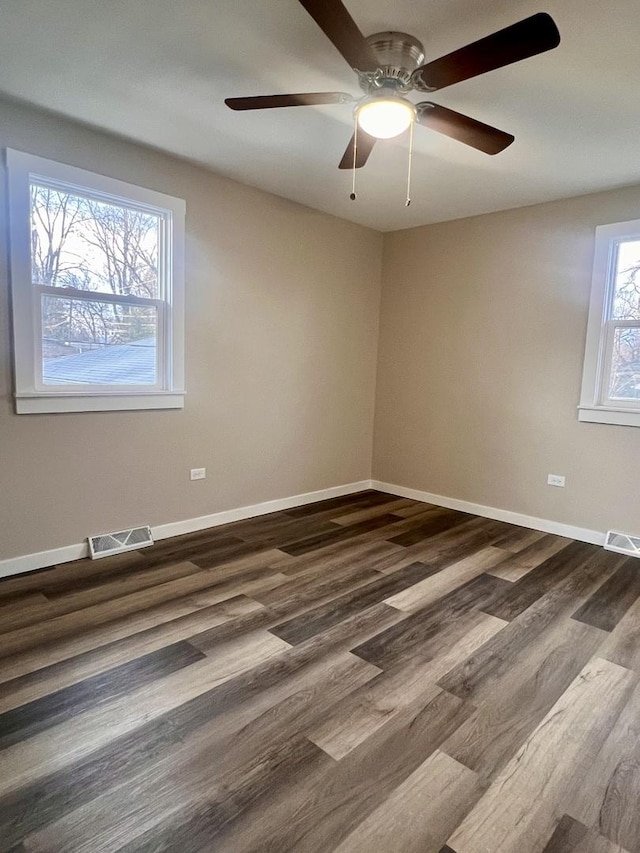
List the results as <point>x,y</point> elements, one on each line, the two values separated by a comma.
<point>447,580</point>
<point>516,661</point>
<point>67,742</point>
<point>376,556</point>
<point>313,587</point>
<point>376,531</point>
<point>213,719</point>
<point>359,515</point>
<point>44,801</point>
<point>418,507</point>
<point>437,521</point>
<point>70,623</point>
<point>544,615</point>
<point>356,628</point>
<point>69,602</point>
<point>415,633</point>
<point>595,843</point>
<point>610,602</point>
<point>540,551</point>
<point>360,500</point>
<point>512,702</point>
<point>420,814</point>
<point>512,601</point>
<point>317,811</point>
<point>183,828</point>
<point>216,693</point>
<point>365,711</point>
<point>338,534</point>
<point>520,563</point>
<point>298,607</point>
<point>289,530</point>
<point>315,621</point>
<point>41,714</point>
<point>225,742</point>
<point>70,574</point>
<point>622,646</point>
<point>93,651</point>
<point>570,836</point>
<point>23,610</point>
<point>432,543</point>
<point>456,544</point>
<point>608,795</point>
<point>205,548</point>
<point>257,682</point>
<point>518,812</point>
<point>567,836</point>
<point>518,539</point>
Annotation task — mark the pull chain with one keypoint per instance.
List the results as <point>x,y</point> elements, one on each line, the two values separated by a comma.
<point>408,201</point>
<point>353,195</point>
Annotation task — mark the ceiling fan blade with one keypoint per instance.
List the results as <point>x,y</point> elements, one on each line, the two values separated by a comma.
<point>304,99</point>
<point>519,41</point>
<point>463,128</point>
<point>340,28</point>
<point>364,148</point>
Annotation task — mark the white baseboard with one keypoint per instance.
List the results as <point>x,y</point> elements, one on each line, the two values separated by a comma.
<point>42,559</point>
<point>191,525</point>
<point>583,534</point>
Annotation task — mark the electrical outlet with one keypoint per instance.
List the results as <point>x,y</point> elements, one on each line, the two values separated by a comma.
<point>198,473</point>
<point>555,480</point>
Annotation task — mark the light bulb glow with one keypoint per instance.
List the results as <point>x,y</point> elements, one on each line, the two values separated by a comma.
<point>385,117</point>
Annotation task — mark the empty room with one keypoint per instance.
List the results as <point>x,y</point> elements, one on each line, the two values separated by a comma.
<point>319,426</point>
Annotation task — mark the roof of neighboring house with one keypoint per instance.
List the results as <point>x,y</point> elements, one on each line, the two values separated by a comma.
<point>121,364</point>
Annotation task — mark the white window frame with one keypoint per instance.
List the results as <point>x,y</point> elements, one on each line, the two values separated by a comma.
<point>31,395</point>
<point>595,404</point>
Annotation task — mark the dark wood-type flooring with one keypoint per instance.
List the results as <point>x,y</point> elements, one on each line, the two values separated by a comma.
<point>362,675</point>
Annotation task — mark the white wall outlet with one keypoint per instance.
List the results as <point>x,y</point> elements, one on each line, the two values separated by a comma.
<point>555,480</point>
<point>198,473</point>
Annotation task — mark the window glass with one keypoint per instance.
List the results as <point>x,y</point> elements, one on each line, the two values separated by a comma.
<point>86,341</point>
<point>626,295</point>
<point>80,242</point>
<point>624,378</point>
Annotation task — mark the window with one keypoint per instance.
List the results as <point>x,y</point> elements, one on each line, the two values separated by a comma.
<point>97,291</point>
<point>611,380</point>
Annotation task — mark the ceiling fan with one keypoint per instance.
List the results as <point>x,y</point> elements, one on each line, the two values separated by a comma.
<point>389,66</point>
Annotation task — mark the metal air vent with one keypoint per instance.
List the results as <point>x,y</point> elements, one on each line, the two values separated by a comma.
<point>623,543</point>
<point>124,540</point>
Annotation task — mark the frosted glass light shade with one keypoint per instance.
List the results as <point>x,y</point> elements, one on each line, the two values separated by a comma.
<point>385,117</point>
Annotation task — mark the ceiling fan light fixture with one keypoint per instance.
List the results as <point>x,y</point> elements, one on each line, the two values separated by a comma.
<point>385,117</point>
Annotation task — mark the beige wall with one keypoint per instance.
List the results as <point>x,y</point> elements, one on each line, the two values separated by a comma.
<point>479,363</point>
<point>282,314</point>
<point>482,335</point>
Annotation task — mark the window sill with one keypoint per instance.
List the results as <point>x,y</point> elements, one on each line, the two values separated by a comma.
<point>608,415</point>
<point>43,404</point>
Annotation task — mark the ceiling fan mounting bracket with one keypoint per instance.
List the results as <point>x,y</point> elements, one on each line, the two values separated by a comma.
<point>418,82</point>
<point>423,108</point>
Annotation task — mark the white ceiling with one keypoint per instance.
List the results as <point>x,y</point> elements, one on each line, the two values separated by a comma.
<point>157,71</point>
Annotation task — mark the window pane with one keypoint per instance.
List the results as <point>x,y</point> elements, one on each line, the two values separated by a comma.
<point>92,245</point>
<point>626,298</point>
<point>98,343</point>
<point>624,382</point>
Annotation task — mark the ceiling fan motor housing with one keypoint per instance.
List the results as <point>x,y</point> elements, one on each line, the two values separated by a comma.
<point>398,55</point>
